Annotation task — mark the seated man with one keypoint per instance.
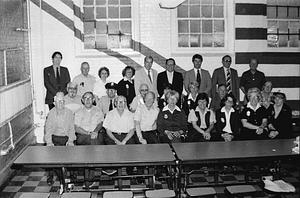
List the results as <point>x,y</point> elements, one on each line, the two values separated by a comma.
<point>216,101</point>
<point>72,100</point>
<point>119,124</point>
<point>59,128</point>
<point>145,120</point>
<point>139,99</point>
<point>88,122</point>
<point>106,103</point>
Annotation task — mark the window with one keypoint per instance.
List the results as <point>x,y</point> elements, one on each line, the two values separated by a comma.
<point>201,24</point>
<point>107,24</point>
<point>283,23</point>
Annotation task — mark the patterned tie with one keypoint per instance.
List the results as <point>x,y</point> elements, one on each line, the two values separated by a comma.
<point>228,81</point>
<point>198,77</point>
<point>149,75</point>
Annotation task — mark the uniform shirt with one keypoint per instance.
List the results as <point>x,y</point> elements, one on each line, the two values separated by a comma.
<point>59,125</point>
<point>88,119</point>
<point>84,83</point>
<point>146,117</point>
<point>73,104</point>
<point>119,123</point>
<point>193,118</point>
<point>254,116</point>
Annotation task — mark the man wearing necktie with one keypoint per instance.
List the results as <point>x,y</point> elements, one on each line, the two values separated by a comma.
<point>56,78</point>
<point>106,103</point>
<point>202,76</point>
<point>227,76</point>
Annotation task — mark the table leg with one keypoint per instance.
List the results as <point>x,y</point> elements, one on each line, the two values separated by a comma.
<point>86,178</point>
<point>120,180</point>
<point>151,180</point>
<point>63,182</point>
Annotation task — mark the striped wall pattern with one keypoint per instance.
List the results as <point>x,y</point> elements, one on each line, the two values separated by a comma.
<point>280,67</point>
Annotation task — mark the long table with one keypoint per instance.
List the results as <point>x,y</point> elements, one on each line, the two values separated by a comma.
<point>99,156</point>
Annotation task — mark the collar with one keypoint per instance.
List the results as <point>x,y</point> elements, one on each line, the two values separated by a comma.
<point>163,97</point>
<point>225,69</point>
<point>148,70</point>
<point>195,70</point>
<point>254,109</point>
<point>166,108</point>
<point>171,73</point>
<point>231,110</point>
<point>205,111</point>
<point>126,79</point>
<point>190,97</point>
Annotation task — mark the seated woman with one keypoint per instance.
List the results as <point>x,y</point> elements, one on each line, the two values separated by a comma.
<point>227,120</point>
<point>254,118</point>
<point>126,85</point>
<point>189,101</point>
<point>280,123</point>
<point>203,120</point>
<point>171,121</point>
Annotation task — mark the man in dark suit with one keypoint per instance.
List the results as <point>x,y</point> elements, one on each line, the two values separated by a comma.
<point>197,74</point>
<point>169,78</point>
<point>56,79</point>
<point>226,76</point>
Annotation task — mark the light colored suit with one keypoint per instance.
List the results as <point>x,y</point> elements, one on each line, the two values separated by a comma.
<point>205,85</point>
<point>141,77</point>
<point>219,78</point>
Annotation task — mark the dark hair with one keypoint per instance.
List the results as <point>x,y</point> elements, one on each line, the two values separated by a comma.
<point>202,96</point>
<point>100,70</point>
<point>197,56</point>
<point>54,54</point>
<point>226,56</point>
<point>229,95</point>
<point>221,85</point>
<point>279,94</point>
<point>150,57</point>
<point>170,59</point>
<point>127,68</point>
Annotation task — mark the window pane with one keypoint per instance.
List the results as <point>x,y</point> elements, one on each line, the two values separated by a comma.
<point>113,12</point>
<point>126,27</point>
<point>113,2</point>
<point>271,12</point>
<point>219,40</point>
<point>89,42</point>
<point>88,2</point>
<point>207,40</point>
<point>218,11</point>
<point>293,13</point>
<point>195,26</point>
<point>88,13</point>
<point>183,26</point>
<point>206,11</point>
<point>100,2</point>
<point>183,40</point>
<point>218,2</point>
<point>294,41</point>
<point>283,40</point>
<point>101,27</point>
<point>283,27</point>
<point>294,26</point>
<point>272,27</point>
<point>195,40</point>
<point>89,27</point>
<point>182,11</point>
<point>207,26</point>
<point>126,41</point>
<point>282,12</point>
<point>272,41</point>
<point>113,27</point>
<point>101,13</point>
<point>195,2</point>
<point>125,12</point>
<point>101,41</point>
<point>113,41</point>
<point>206,2</point>
<point>125,2</point>
<point>195,11</point>
<point>219,26</point>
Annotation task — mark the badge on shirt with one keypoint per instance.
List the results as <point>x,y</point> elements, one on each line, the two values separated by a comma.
<point>248,113</point>
<point>164,103</point>
<point>166,116</point>
<point>189,102</point>
<point>127,86</point>
<point>222,120</point>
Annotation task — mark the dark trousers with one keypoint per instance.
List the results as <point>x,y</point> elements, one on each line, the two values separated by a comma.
<point>84,139</point>
<point>195,136</point>
<point>51,106</point>
<point>150,136</point>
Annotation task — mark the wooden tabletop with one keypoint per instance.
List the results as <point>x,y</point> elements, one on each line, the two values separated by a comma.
<point>235,150</point>
<point>96,156</point>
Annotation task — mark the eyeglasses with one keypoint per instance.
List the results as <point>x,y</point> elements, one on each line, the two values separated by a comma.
<point>228,61</point>
<point>144,89</point>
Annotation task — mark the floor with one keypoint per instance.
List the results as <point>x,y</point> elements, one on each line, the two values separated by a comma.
<point>34,180</point>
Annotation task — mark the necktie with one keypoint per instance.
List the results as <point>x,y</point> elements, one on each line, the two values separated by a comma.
<point>228,81</point>
<point>149,75</point>
<point>198,77</point>
<point>110,105</point>
<point>58,78</point>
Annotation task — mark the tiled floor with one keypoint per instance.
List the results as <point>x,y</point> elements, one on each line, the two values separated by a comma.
<point>34,180</point>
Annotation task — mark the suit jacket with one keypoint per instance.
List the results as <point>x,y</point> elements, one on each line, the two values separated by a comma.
<point>51,84</point>
<point>219,78</point>
<point>162,82</point>
<point>141,77</point>
<point>205,85</point>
